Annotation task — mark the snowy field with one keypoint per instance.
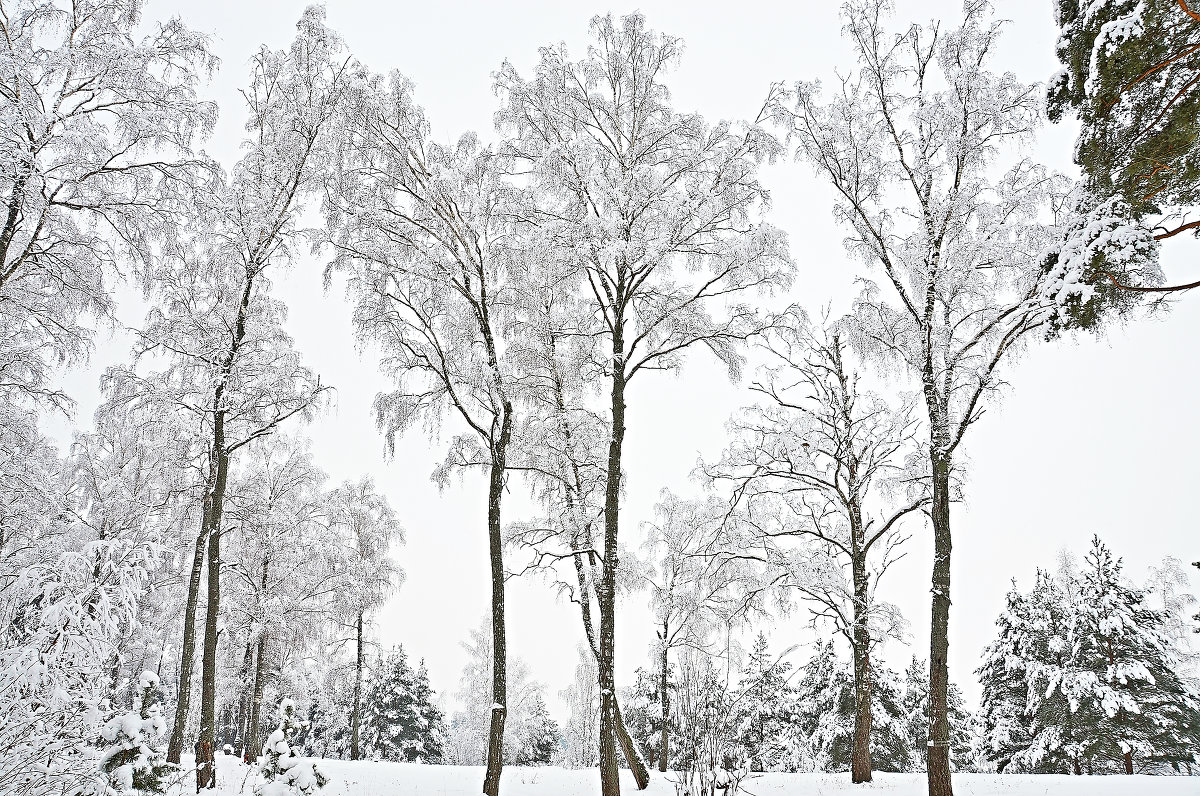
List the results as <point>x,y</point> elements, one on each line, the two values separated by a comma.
<point>365,778</point>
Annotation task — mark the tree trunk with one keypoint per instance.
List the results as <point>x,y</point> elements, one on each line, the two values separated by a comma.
<point>206,776</point>
<point>254,735</point>
<point>356,711</point>
<point>1129,762</point>
<point>938,758</point>
<point>1075,766</point>
<point>633,758</point>
<point>495,748</point>
<point>243,719</point>
<point>664,700</point>
<point>860,760</point>
<point>610,783</point>
<point>188,650</point>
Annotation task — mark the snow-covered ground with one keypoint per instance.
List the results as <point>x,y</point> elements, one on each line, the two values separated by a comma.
<point>364,778</point>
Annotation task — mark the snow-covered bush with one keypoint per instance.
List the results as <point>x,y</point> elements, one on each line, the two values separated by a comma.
<point>131,761</point>
<point>283,773</point>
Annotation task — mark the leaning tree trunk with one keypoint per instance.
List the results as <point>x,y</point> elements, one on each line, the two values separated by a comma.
<point>206,775</point>
<point>610,783</point>
<point>633,758</point>
<point>938,758</point>
<point>860,758</point>
<point>495,747</point>
<point>356,711</point>
<point>188,649</point>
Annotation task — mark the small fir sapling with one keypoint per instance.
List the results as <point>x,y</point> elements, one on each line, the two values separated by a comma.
<point>132,762</point>
<point>283,773</point>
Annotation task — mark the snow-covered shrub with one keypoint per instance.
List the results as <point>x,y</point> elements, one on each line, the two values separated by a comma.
<point>284,773</point>
<point>131,761</point>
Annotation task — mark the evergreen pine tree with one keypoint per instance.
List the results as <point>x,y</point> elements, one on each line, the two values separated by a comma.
<point>542,739</point>
<point>1146,712</point>
<point>1082,678</point>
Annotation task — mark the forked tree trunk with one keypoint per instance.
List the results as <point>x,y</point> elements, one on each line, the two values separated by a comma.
<point>633,758</point>
<point>206,776</point>
<point>860,759</point>
<point>938,758</point>
<point>187,658</point>
<point>356,711</point>
<point>610,783</point>
<point>495,747</point>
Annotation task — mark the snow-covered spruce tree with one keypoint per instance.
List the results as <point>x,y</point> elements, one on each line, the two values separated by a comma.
<point>1129,671</point>
<point>95,163</point>
<point>423,232</point>
<point>401,722</point>
<point>832,467</point>
<point>282,772</point>
<point>912,144</point>
<point>1129,76</point>
<point>132,762</point>
<point>657,212</point>
<point>541,738</point>
<point>761,708</point>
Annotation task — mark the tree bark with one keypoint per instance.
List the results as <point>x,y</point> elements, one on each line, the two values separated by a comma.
<point>356,712</point>
<point>860,759</point>
<point>633,758</point>
<point>1129,762</point>
<point>495,749</point>
<point>188,650</point>
<point>610,783</point>
<point>254,734</point>
<point>243,719</point>
<point>206,776</point>
<point>938,757</point>
<point>664,700</point>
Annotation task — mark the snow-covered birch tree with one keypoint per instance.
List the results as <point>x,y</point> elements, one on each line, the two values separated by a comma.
<point>96,126</point>
<point>659,212</point>
<point>829,464</point>
<point>423,232</point>
<point>920,143</point>
<point>214,321</point>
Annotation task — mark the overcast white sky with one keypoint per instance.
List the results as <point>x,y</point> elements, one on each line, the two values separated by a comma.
<point>1093,436</point>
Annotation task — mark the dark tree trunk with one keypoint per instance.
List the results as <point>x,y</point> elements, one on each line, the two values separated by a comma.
<point>254,735</point>
<point>356,711</point>
<point>243,717</point>
<point>610,783</point>
<point>1129,762</point>
<point>633,758</point>
<point>495,748</point>
<point>860,760</point>
<point>187,657</point>
<point>206,776</point>
<point>664,700</point>
<point>1075,766</point>
<point>938,759</point>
